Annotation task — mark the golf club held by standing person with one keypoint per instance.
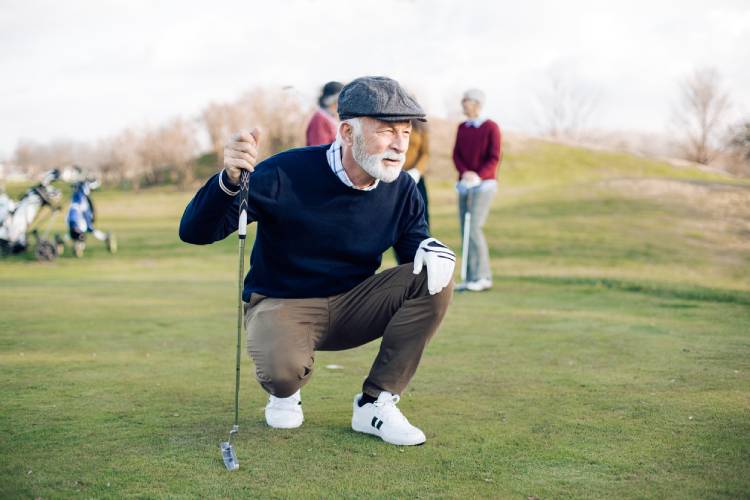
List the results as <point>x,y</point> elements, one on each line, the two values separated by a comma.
<point>325,215</point>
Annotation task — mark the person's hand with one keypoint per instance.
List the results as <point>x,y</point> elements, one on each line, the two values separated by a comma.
<point>414,173</point>
<point>470,179</point>
<point>241,153</point>
<point>440,262</point>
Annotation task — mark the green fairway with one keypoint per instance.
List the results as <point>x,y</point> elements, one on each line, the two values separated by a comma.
<point>610,360</point>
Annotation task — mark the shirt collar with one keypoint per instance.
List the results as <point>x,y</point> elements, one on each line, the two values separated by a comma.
<point>334,161</point>
<point>476,122</point>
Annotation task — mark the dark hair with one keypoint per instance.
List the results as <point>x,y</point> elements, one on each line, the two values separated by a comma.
<point>329,89</point>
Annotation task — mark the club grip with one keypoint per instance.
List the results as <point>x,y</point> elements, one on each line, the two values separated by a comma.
<point>244,194</point>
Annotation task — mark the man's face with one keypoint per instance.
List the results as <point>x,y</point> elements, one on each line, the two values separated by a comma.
<point>471,107</point>
<point>333,106</point>
<point>381,147</point>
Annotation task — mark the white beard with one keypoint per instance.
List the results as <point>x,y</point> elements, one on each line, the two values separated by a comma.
<point>373,164</point>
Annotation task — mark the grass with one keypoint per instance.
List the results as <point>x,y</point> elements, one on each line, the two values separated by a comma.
<point>611,358</point>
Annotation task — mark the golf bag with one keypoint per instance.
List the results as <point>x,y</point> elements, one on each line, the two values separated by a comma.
<point>81,217</point>
<point>17,219</point>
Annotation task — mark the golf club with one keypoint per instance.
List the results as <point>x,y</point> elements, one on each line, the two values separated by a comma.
<point>227,450</point>
<point>465,243</point>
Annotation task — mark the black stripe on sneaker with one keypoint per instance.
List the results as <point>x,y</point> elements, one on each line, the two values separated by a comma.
<point>380,424</point>
<point>374,421</point>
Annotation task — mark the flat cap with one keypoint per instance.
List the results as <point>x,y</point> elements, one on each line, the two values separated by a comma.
<point>378,97</point>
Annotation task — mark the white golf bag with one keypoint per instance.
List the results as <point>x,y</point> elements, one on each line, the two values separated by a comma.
<point>17,219</point>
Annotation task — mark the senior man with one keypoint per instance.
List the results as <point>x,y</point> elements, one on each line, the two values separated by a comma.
<point>477,154</point>
<point>325,216</point>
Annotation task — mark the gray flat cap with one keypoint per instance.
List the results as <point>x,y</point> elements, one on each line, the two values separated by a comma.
<point>378,97</point>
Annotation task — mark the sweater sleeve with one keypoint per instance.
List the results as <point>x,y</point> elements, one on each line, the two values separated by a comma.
<point>413,226</point>
<point>488,168</point>
<point>213,213</point>
<point>460,165</point>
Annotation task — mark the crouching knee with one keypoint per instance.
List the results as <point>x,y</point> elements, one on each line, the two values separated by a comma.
<point>282,379</point>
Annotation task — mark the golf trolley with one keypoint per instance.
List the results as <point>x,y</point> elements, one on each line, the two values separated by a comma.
<point>20,222</point>
<point>81,214</point>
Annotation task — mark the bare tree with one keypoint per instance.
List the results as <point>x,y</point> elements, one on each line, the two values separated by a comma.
<point>280,115</point>
<point>565,106</point>
<point>167,153</point>
<point>118,160</point>
<point>220,120</point>
<point>25,156</point>
<point>34,157</point>
<point>701,115</point>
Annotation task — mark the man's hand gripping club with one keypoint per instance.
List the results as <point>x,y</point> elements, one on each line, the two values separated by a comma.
<point>241,153</point>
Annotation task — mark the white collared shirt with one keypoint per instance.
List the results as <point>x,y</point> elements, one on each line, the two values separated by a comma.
<point>334,161</point>
<point>476,122</point>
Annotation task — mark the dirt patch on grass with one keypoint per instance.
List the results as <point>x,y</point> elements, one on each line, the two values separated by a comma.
<point>724,200</point>
<point>710,207</point>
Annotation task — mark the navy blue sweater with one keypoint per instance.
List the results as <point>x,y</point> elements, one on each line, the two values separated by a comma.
<point>316,237</point>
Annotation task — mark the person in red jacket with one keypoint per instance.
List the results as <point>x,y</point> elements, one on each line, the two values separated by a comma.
<point>323,124</point>
<point>477,155</point>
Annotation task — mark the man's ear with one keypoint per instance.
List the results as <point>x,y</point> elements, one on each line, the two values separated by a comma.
<point>347,134</point>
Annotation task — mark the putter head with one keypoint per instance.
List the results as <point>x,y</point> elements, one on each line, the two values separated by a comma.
<point>229,456</point>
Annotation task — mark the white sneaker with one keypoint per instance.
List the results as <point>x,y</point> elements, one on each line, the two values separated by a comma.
<point>479,285</point>
<point>384,420</point>
<point>285,413</point>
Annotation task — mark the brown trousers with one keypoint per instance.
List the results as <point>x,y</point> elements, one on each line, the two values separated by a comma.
<point>283,334</point>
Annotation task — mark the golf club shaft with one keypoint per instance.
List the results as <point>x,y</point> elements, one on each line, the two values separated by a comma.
<point>465,246</point>
<point>242,233</point>
<point>239,333</point>
<point>465,243</point>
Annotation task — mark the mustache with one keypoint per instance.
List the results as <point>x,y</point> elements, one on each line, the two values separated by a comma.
<point>394,156</point>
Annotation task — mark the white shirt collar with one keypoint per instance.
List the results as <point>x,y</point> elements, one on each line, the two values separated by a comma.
<point>334,161</point>
<point>476,122</point>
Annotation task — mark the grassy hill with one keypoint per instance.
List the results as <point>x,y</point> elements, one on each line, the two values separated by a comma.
<point>611,358</point>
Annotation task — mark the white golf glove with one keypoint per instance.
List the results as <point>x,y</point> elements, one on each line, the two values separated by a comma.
<point>440,261</point>
<point>470,180</point>
<point>414,173</point>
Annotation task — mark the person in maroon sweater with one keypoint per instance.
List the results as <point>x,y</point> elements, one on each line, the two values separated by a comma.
<point>477,155</point>
<point>323,124</point>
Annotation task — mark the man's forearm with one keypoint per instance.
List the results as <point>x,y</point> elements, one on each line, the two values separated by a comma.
<point>209,215</point>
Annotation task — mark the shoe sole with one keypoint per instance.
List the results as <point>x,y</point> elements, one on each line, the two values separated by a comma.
<point>284,426</point>
<point>293,426</point>
<point>373,432</point>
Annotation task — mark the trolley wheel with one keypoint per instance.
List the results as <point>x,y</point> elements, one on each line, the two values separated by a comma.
<point>45,251</point>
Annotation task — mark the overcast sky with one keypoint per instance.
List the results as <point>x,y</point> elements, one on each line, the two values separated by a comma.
<point>87,69</point>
